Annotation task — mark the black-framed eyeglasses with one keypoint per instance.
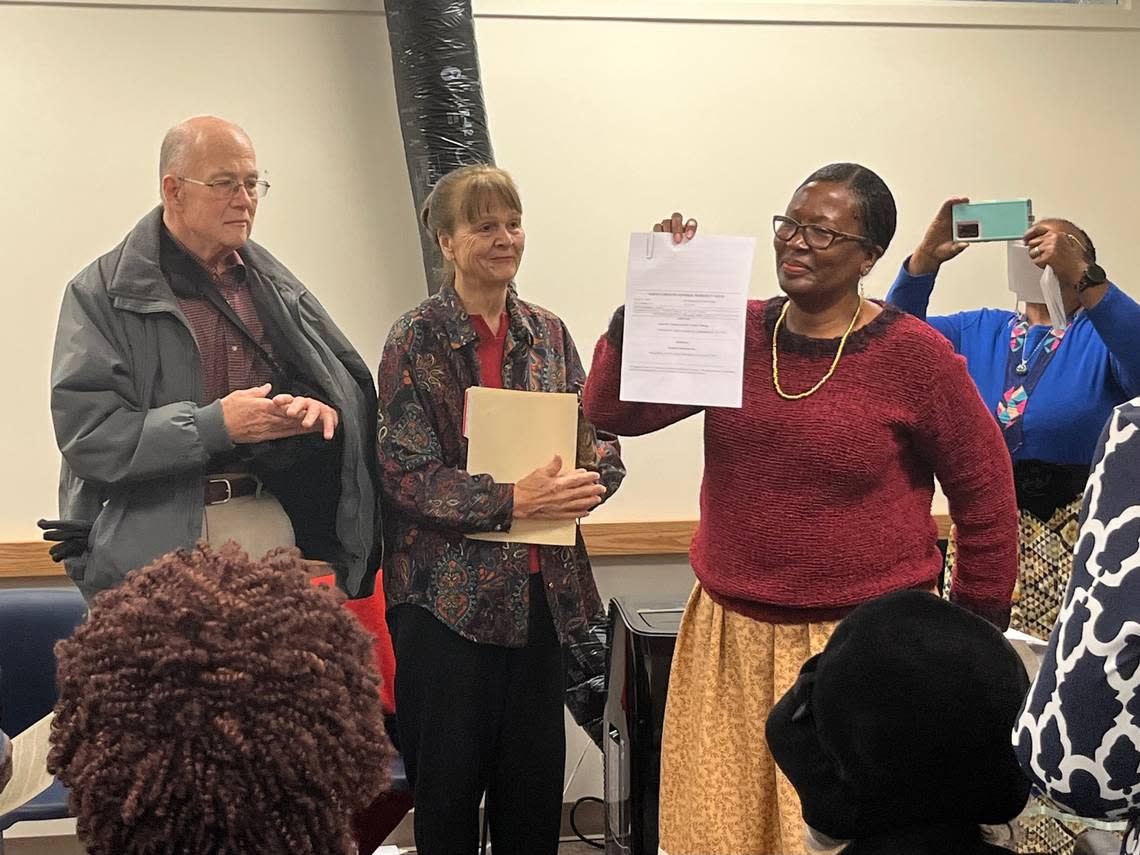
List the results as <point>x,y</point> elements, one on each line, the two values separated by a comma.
<point>817,237</point>
<point>227,188</point>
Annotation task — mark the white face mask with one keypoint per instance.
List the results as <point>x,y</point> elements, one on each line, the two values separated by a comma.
<point>1033,285</point>
<point>1023,275</point>
<point>1054,301</point>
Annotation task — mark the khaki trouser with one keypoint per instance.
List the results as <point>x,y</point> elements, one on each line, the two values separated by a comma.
<point>256,523</point>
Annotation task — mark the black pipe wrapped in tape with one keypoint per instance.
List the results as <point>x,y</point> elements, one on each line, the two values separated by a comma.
<point>440,99</point>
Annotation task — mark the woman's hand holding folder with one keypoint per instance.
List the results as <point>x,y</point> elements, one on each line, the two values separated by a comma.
<point>549,493</point>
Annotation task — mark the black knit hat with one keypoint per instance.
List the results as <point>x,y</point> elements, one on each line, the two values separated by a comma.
<point>904,720</point>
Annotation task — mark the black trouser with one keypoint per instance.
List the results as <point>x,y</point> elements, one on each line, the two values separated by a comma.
<point>478,717</point>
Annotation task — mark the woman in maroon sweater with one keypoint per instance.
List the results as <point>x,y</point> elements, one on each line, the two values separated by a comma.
<point>816,497</point>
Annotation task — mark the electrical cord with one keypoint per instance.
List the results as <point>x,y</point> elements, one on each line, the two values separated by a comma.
<point>574,824</point>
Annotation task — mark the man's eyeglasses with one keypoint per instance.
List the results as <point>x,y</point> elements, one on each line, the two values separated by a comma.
<point>227,188</point>
<point>817,237</point>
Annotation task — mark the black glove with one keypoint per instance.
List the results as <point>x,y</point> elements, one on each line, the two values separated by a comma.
<point>70,536</point>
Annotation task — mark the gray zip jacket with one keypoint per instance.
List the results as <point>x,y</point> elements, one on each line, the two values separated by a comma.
<point>125,380</point>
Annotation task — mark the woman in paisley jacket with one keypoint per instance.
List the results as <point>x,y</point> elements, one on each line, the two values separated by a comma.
<point>478,626</point>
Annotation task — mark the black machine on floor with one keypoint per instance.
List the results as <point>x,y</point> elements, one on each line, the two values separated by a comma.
<point>642,634</point>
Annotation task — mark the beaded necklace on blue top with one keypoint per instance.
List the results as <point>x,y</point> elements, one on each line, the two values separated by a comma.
<point>1022,373</point>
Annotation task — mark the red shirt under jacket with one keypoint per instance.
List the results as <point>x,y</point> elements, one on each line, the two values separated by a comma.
<point>490,354</point>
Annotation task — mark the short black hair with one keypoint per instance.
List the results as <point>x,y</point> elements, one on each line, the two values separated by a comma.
<point>876,204</point>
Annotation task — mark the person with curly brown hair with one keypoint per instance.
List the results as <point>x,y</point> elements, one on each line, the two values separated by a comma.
<point>214,705</point>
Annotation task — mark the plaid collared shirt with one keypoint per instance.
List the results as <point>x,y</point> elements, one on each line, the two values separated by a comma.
<point>229,360</point>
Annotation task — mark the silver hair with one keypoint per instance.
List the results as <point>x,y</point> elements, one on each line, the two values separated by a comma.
<point>176,147</point>
<point>180,141</point>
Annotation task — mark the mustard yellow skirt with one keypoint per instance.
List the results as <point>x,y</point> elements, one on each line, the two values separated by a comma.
<point>720,789</point>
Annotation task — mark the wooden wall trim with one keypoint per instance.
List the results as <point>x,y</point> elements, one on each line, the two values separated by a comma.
<point>639,538</point>
<point>664,538</point>
<point>30,560</point>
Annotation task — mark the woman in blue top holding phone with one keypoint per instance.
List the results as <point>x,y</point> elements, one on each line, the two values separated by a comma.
<point>1050,388</point>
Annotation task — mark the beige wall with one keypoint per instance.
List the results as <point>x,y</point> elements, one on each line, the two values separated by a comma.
<point>610,125</point>
<point>86,95</point>
<point>607,125</point>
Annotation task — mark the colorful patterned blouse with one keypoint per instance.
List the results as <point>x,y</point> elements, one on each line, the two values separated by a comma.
<point>479,589</point>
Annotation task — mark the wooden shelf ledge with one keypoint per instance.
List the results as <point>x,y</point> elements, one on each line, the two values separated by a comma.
<point>30,559</point>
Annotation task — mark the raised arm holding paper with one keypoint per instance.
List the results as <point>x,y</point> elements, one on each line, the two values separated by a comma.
<point>479,626</point>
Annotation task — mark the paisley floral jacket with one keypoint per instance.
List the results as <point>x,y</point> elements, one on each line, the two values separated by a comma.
<point>478,588</point>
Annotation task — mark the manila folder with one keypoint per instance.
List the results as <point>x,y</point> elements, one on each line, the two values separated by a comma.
<point>511,433</point>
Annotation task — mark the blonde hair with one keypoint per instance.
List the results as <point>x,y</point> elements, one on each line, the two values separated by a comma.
<point>462,196</point>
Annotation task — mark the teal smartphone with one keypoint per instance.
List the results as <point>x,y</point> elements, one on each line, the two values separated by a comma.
<point>982,221</point>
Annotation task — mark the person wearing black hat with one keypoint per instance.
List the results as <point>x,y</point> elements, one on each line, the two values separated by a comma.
<point>897,736</point>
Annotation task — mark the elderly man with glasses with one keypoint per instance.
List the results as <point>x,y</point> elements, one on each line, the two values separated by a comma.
<point>200,391</point>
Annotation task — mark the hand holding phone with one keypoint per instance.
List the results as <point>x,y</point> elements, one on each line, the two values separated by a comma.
<point>938,244</point>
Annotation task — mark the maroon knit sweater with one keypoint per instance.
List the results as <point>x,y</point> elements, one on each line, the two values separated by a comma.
<point>811,507</point>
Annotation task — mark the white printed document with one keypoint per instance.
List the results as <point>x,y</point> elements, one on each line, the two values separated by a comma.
<point>685,308</point>
<point>30,776</point>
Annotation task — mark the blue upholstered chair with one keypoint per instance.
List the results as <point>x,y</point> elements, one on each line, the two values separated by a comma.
<point>32,620</point>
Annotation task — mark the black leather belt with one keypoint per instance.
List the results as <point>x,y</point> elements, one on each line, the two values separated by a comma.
<point>221,490</point>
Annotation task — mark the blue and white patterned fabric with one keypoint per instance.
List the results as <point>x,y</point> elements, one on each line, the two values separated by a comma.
<point>1078,736</point>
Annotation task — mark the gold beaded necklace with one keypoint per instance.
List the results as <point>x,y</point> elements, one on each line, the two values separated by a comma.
<point>838,353</point>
